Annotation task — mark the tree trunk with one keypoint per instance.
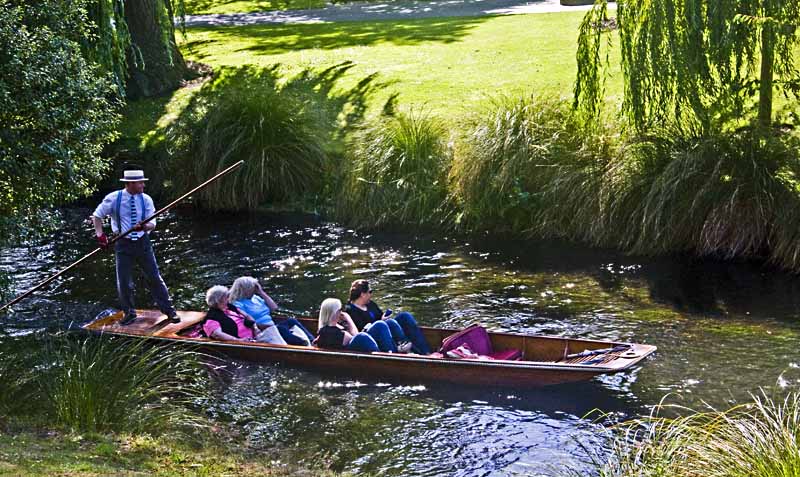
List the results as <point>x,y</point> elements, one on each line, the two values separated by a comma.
<point>765,85</point>
<point>155,64</point>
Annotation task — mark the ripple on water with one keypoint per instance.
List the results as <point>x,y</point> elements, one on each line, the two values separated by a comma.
<point>722,331</point>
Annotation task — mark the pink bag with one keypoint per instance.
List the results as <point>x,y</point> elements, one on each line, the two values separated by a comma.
<point>474,337</point>
<point>473,342</point>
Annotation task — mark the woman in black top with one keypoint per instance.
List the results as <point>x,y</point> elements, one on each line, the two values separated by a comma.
<point>337,331</point>
<point>365,313</point>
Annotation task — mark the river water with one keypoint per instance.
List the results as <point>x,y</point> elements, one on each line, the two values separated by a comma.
<point>723,331</point>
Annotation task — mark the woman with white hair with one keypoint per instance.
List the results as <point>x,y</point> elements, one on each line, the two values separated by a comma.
<point>223,320</point>
<point>337,331</point>
<point>248,295</point>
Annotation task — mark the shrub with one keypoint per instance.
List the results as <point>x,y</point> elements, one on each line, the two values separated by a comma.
<point>57,111</point>
<point>529,167</point>
<point>395,173</point>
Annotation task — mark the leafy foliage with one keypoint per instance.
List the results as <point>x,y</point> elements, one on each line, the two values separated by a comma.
<point>396,173</point>
<point>704,61</point>
<point>56,110</point>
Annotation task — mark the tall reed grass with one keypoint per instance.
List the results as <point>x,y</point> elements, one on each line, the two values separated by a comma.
<point>531,167</point>
<point>758,439</point>
<point>724,193</point>
<point>395,173</point>
<point>99,384</point>
<point>285,129</point>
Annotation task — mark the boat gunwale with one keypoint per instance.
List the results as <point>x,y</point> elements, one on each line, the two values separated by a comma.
<point>415,358</point>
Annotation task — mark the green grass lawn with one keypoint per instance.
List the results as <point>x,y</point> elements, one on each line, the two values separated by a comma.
<point>197,7</point>
<point>33,454</point>
<point>449,66</point>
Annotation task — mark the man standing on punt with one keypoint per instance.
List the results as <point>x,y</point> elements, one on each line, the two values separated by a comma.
<point>127,208</point>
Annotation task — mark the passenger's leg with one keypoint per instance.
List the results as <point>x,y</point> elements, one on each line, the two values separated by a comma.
<point>380,332</point>
<point>285,329</point>
<point>290,322</point>
<point>270,335</point>
<point>411,329</point>
<point>363,342</point>
<point>396,330</point>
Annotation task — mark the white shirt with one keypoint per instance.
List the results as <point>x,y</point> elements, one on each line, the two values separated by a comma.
<point>106,208</point>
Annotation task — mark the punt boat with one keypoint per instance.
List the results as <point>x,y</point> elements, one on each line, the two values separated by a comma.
<point>545,360</point>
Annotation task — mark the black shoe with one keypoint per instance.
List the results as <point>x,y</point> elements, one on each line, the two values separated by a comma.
<point>174,318</point>
<point>128,319</point>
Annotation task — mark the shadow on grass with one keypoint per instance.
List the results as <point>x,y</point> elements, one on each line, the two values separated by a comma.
<point>278,39</point>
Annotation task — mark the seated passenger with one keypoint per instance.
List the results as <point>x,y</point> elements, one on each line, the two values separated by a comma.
<point>403,326</point>
<point>337,331</point>
<point>247,294</point>
<point>224,321</point>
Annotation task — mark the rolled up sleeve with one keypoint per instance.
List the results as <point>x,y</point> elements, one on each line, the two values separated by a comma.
<point>105,208</point>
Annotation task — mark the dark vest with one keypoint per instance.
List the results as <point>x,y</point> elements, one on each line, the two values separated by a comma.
<point>226,323</point>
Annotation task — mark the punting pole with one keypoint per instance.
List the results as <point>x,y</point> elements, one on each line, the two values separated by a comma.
<point>122,235</point>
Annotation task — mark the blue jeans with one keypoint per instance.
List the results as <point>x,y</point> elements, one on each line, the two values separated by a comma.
<point>381,333</point>
<point>363,342</point>
<point>284,328</point>
<point>410,331</point>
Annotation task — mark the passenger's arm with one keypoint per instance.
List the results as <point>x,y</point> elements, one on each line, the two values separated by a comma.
<point>269,301</point>
<point>347,338</point>
<point>348,324</point>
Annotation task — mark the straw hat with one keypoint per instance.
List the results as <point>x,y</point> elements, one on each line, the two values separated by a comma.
<point>133,175</point>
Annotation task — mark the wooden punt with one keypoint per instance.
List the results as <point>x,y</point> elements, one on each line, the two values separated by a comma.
<point>545,359</point>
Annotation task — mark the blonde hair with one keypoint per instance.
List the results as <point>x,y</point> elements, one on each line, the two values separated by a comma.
<point>328,310</point>
<point>215,294</point>
<point>243,288</point>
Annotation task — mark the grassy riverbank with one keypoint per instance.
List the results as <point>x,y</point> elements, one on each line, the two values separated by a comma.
<point>102,406</point>
<point>47,452</point>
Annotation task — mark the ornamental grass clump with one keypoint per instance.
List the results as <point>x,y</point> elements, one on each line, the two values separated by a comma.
<point>396,173</point>
<point>98,384</point>
<point>759,439</point>
<point>728,194</point>
<point>243,116</point>
<point>530,167</point>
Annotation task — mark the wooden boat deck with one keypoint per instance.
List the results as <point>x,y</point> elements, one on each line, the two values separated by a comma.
<point>544,358</point>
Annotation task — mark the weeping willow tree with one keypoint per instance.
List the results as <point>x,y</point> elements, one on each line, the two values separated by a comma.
<point>708,61</point>
<point>135,41</point>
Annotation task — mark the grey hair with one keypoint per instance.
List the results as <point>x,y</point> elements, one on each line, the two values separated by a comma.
<point>328,310</point>
<point>243,288</point>
<point>215,294</point>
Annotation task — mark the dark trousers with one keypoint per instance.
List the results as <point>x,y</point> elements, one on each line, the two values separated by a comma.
<point>141,252</point>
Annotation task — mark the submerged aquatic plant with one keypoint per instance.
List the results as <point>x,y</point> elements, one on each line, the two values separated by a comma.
<point>396,173</point>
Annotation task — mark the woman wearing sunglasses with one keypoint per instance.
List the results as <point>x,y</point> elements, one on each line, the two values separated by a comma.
<point>365,312</point>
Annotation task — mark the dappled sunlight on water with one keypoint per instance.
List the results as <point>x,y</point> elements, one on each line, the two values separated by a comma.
<point>723,331</point>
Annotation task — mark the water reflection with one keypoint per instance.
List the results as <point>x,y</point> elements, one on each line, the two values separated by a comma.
<point>723,330</point>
